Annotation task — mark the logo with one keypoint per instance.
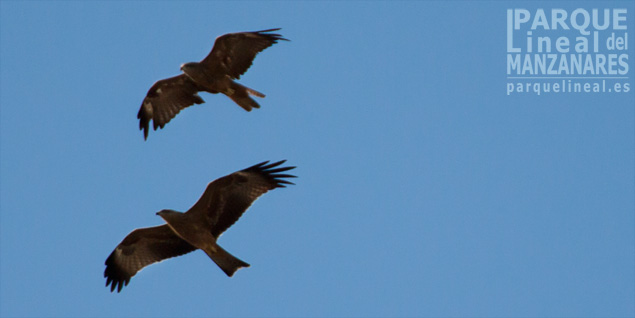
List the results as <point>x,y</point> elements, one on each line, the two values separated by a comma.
<point>560,51</point>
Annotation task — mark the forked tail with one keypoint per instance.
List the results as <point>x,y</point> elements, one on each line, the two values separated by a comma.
<point>241,96</point>
<point>254,92</point>
<point>227,262</point>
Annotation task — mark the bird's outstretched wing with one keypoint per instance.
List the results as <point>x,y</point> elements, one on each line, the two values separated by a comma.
<point>227,198</point>
<point>165,99</point>
<point>233,53</point>
<point>139,249</point>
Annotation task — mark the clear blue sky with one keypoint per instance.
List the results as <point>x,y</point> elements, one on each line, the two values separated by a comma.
<point>423,190</point>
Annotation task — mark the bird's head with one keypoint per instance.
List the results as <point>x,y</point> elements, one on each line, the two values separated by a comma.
<point>187,66</point>
<point>167,212</point>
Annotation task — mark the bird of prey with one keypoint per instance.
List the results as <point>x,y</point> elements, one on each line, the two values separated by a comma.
<point>231,56</point>
<point>220,206</point>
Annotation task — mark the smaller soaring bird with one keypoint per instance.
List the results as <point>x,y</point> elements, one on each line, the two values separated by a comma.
<point>230,58</point>
<point>220,206</point>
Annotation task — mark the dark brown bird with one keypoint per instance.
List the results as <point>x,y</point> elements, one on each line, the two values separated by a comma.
<point>230,58</point>
<point>220,206</point>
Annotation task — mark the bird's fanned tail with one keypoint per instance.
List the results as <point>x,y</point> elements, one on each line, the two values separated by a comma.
<point>240,95</point>
<point>227,262</point>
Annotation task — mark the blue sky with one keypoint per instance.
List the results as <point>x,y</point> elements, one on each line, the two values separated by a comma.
<point>424,189</point>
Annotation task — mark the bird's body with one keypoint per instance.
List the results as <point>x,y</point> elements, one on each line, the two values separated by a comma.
<point>195,231</point>
<point>189,227</point>
<point>221,205</point>
<point>231,56</point>
<point>204,79</point>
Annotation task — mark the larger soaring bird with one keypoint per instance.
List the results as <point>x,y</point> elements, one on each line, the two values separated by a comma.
<point>220,206</point>
<point>230,58</point>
